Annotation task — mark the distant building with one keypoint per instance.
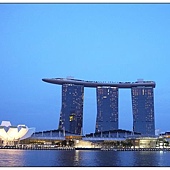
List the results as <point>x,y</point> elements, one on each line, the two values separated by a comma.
<point>118,133</point>
<point>71,116</point>
<point>107,108</point>
<point>157,132</point>
<point>143,110</point>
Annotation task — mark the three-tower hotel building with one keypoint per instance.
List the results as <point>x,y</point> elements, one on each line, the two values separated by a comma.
<point>71,115</point>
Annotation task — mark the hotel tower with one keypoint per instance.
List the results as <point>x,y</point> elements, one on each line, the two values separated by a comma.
<point>71,116</point>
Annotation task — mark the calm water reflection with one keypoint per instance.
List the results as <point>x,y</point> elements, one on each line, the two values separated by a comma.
<point>33,158</point>
<point>11,158</point>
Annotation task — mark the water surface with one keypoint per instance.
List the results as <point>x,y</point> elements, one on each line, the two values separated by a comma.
<point>64,158</point>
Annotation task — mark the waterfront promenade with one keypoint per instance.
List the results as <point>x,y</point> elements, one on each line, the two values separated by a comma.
<point>51,147</point>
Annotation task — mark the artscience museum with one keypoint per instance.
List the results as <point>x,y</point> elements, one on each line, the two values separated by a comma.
<point>10,135</point>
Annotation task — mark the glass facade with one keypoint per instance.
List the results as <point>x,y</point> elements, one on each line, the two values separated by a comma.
<point>143,110</point>
<point>71,116</point>
<point>107,108</point>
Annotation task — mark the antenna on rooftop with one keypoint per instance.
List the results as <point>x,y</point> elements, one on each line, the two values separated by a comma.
<point>139,80</point>
<point>69,77</point>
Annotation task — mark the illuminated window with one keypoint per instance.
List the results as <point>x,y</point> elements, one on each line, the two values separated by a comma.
<point>71,118</point>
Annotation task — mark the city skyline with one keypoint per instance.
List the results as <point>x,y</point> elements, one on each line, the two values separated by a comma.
<point>103,42</point>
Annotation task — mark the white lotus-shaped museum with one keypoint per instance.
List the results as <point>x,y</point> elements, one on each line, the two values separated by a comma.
<point>14,133</point>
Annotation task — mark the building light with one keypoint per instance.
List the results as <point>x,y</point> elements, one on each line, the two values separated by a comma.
<point>71,118</point>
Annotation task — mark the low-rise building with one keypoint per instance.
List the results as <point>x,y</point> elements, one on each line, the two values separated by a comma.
<point>10,135</point>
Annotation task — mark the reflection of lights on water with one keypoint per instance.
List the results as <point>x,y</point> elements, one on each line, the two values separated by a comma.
<point>77,156</point>
<point>161,152</point>
<point>10,158</point>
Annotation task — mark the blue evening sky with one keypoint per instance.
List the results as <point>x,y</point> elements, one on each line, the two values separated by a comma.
<point>100,42</point>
